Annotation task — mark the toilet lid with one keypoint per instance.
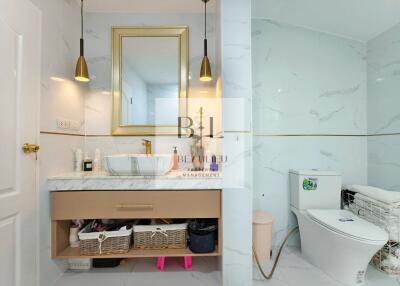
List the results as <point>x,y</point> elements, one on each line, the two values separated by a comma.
<point>347,223</point>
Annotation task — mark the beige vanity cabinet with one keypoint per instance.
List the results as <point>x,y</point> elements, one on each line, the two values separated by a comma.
<point>188,204</point>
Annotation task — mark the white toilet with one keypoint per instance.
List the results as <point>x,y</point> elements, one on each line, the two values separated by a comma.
<point>334,240</point>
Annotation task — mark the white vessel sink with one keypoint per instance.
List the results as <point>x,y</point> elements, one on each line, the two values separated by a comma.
<point>138,164</point>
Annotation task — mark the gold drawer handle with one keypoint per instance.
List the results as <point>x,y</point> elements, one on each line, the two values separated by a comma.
<point>135,207</point>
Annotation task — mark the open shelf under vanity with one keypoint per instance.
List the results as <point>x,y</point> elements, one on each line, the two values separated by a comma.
<point>136,253</point>
<point>69,205</point>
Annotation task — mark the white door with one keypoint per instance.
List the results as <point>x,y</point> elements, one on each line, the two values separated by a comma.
<point>20,32</point>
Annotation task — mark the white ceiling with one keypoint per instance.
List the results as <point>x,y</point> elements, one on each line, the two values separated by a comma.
<point>148,6</point>
<point>356,19</point>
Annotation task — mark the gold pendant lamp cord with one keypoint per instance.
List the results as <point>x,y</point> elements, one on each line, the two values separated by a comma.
<point>81,71</point>
<point>205,70</point>
<point>82,52</point>
<point>82,19</point>
<point>205,29</point>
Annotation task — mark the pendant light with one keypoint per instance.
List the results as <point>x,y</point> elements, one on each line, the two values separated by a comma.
<point>81,71</point>
<point>205,71</point>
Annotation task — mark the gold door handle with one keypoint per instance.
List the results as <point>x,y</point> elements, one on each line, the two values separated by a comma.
<point>30,148</point>
<point>134,207</point>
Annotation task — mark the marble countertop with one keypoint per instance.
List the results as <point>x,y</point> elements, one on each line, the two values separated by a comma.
<point>175,180</point>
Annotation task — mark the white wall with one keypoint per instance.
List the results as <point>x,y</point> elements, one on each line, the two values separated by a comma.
<point>60,97</point>
<point>383,110</point>
<point>309,101</point>
<point>236,84</point>
<point>98,53</point>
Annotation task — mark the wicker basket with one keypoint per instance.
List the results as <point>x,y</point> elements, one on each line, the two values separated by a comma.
<point>107,242</point>
<point>160,236</point>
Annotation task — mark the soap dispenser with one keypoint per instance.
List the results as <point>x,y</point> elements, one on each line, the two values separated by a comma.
<point>175,160</point>
<point>214,165</point>
<point>87,163</point>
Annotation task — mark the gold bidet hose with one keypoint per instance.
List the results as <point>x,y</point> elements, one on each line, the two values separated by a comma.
<point>269,276</point>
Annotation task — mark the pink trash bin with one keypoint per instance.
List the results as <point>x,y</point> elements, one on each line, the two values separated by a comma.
<point>262,235</point>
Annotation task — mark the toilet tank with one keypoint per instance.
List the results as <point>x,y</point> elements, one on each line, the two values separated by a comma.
<point>315,189</point>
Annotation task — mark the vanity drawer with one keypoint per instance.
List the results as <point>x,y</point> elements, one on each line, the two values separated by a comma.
<point>135,204</point>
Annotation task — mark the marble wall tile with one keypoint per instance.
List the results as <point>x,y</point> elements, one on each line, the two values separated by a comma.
<point>384,162</point>
<point>112,145</point>
<point>237,168</point>
<point>98,112</point>
<point>384,83</point>
<point>98,40</point>
<point>307,82</point>
<point>383,112</point>
<point>99,99</point>
<point>98,34</point>
<point>61,97</point>
<point>235,64</point>
<point>237,233</point>
<point>56,156</point>
<point>274,156</point>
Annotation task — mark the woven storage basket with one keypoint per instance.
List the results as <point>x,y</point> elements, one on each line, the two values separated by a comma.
<point>107,242</point>
<point>159,236</point>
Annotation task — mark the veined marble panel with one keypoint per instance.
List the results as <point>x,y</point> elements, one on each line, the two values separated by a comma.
<point>98,53</point>
<point>237,83</point>
<point>237,168</point>
<point>384,162</point>
<point>99,99</point>
<point>61,95</point>
<point>307,82</point>
<point>384,83</point>
<point>176,180</point>
<point>56,156</point>
<point>113,145</point>
<point>274,156</point>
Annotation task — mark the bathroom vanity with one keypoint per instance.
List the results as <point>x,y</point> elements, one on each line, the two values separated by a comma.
<point>98,196</point>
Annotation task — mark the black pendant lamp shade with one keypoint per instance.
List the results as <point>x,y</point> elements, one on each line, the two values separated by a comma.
<point>81,70</point>
<point>205,70</point>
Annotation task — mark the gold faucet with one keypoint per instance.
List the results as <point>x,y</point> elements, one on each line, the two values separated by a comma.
<point>147,145</point>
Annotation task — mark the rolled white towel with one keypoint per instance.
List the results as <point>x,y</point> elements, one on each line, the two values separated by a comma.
<point>385,222</point>
<point>389,197</point>
<point>391,210</point>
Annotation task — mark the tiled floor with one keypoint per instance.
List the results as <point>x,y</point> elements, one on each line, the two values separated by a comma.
<point>291,270</point>
<point>143,272</point>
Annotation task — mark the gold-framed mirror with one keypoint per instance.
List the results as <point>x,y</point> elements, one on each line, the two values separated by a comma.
<point>150,70</point>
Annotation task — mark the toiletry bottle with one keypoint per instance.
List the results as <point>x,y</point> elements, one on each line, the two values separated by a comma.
<point>73,236</point>
<point>78,160</point>
<point>87,163</point>
<point>175,160</point>
<point>97,160</point>
<point>214,165</point>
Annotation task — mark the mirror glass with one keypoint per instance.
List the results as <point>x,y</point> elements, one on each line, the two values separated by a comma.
<point>150,80</point>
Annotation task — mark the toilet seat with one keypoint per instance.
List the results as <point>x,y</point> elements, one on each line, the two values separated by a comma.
<point>346,223</point>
